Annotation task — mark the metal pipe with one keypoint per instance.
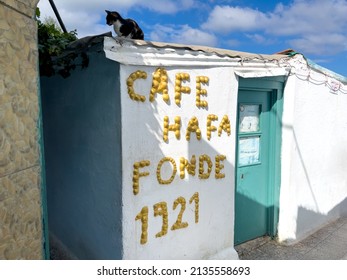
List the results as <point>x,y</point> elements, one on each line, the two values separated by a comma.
<point>55,10</point>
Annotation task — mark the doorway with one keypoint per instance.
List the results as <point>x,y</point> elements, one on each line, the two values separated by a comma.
<point>257,179</point>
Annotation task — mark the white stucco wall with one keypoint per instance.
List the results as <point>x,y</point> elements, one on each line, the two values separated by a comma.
<point>142,126</point>
<point>313,185</point>
<point>147,226</point>
<point>314,153</point>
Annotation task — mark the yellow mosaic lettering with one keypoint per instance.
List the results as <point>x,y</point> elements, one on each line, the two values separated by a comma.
<point>201,91</point>
<point>143,217</point>
<point>176,127</point>
<point>193,126</point>
<point>219,166</point>
<point>179,89</point>
<point>160,85</point>
<point>195,198</point>
<point>137,174</point>
<point>174,171</point>
<point>186,165</point>
<point>210,127</point>
<point>160,209</point>
<point>202,173</point>
<point>224,125</point>
<point>179,224</point>
<point>130,85</point>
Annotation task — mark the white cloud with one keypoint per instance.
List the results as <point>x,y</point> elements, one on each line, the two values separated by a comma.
<point>182,34</point>
<point>260,39</point>
<point>315,44</point>
<point>168,6</point>
<point>78,5</point>
<point>225,19</point>
<point>233,43</point>
<point>309,26</point>
<point>309,16</point>
<point>88,16</point>
<point>86,23</point>
<point>301,16</point>
<point>316,26</point>
<point>161,6</point>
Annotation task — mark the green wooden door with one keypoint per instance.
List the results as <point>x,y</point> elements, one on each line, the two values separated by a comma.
<point>253,161</point>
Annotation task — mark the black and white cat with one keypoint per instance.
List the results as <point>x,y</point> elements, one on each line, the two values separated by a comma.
<point>124,27</point>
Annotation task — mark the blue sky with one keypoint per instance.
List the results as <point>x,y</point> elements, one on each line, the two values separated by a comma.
<point>316,28</point>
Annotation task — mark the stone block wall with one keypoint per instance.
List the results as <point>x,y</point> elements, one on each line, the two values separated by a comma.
<point>21,226</point>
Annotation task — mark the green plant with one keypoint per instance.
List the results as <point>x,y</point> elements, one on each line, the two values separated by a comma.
<point>52,42</point>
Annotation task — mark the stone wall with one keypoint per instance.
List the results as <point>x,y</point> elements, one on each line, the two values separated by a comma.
<point>21,227</point>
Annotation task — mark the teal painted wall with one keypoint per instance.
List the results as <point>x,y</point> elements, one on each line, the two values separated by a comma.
<point>82,139</point>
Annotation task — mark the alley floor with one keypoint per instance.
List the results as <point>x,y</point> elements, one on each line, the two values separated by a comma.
<point>328,243</point>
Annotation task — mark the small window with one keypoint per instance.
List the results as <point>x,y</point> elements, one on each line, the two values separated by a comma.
<point>249,118</point>
<point>249,150</point>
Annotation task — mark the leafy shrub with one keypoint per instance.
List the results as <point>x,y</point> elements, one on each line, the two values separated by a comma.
<point>52,42</point>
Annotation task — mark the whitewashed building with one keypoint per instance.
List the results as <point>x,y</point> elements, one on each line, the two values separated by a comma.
<point>165,151</point>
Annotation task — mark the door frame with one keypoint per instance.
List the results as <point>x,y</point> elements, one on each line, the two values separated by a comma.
<point>275,85</point>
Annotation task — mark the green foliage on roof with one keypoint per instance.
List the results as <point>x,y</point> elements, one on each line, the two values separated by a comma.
<point>52,42</point>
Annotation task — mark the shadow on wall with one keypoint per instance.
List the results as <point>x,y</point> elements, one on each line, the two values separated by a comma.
<point>309,221</point>
<point>81,126</point>
<point>217,200</point>
<point>259,226</point>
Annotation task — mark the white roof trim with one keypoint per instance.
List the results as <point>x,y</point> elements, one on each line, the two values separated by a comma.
<point>134,52</point>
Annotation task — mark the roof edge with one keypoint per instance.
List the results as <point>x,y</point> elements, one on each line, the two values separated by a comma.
<point>139,52</point>
<point>326,71</point>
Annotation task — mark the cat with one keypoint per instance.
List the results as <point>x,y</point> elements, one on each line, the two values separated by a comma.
<point>124,27</point>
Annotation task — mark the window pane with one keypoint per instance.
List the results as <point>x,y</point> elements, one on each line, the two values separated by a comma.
<point>249,150</point>
<point>249,118</point>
